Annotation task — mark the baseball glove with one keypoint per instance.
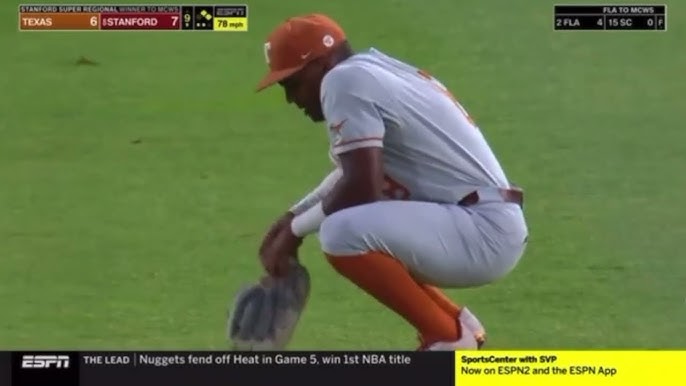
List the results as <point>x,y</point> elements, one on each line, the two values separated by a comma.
<point>264,315</point>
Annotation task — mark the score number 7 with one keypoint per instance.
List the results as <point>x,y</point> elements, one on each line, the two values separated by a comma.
<point>440,87</point>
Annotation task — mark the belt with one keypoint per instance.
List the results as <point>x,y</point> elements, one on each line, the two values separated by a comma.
<point>515,196</point>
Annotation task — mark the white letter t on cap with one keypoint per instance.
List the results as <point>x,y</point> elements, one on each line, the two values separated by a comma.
<point>267,47</point>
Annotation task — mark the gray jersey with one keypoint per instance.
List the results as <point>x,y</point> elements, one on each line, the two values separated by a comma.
<point>431,149</point>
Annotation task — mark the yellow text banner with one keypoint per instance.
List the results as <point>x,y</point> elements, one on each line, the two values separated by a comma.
<point>570,368</point>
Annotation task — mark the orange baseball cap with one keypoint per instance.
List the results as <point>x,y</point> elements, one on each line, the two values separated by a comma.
<point>296,42</point>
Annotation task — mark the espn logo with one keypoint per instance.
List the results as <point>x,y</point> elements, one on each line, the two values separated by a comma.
<point>45,361</point>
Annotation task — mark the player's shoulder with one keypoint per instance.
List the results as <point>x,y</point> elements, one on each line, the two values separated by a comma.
<point>352,72</point>
<point>371,66</point>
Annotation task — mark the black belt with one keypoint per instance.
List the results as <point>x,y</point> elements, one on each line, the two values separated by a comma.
<point>515,196</point>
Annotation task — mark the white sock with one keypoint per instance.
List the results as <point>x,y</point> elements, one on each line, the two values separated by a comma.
<point>471,322</point>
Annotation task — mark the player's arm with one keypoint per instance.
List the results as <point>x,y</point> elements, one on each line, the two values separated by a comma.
<point>356,130</point>
<point>361,183</point>
<point>316,195</point>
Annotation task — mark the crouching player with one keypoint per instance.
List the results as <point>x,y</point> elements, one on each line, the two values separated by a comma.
<point>417,201</point>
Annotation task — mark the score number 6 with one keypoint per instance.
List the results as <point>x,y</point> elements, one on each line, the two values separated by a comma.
<point>94,21</point>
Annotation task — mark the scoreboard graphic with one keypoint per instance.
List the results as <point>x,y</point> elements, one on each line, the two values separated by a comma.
<point>633,17</point>
<point>88,17</point>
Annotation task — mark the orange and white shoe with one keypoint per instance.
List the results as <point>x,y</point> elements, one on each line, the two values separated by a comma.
<point>466,342</point>
<point>473,335</point>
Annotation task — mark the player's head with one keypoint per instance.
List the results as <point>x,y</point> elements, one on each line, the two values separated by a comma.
<point>299,53</point>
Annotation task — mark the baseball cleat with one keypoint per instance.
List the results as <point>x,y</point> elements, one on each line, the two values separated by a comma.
<point>466,342</point>
<point>473,325</point>
<point>474,335</point>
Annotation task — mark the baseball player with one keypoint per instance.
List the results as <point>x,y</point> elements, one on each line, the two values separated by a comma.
<point>417,200</point>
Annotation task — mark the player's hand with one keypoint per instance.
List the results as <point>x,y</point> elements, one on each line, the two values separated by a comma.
<point>276,254</point>
<point>280,224</point>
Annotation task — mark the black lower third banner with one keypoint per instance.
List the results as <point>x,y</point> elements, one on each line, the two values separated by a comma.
<point>226,368</point>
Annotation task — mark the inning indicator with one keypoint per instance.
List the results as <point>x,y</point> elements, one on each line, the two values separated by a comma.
<point>87,17</point>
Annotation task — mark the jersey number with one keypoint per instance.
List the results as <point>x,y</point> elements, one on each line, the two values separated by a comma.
<point>424,74</point>
<point>394,190</point>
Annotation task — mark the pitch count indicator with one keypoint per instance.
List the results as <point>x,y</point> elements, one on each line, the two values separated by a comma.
<point>88,17</point>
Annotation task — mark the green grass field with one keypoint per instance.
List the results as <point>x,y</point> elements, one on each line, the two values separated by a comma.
<point>134,193</point>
